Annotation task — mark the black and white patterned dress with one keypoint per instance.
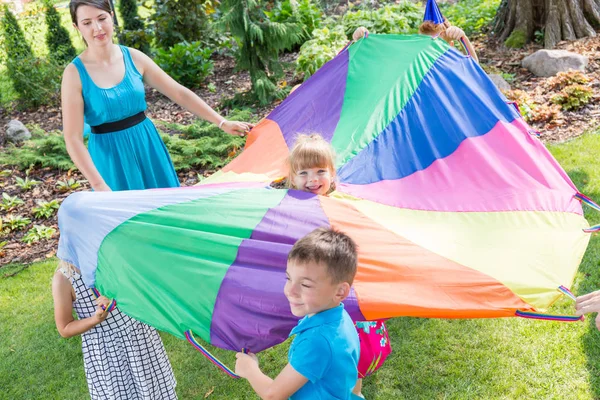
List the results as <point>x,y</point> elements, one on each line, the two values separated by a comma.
<point>123,358</point>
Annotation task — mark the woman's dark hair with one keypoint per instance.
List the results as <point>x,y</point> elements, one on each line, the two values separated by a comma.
<point>103,5</point>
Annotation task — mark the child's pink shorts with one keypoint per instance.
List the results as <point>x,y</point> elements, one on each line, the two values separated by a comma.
<point>374,346</point>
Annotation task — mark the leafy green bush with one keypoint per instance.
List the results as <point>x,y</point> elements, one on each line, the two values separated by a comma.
<point>37,233</point>
<point>316,52</point>
<point>15,223</point>
<point>177,21</point>
<point>43,150</point>
<point>573,97</point>
<point>305,12</point>
<point>260,41</point>
<point>567,78</point>
<point>133,32</point>
<point>26,183</point>
<point>45,209</point>
<point>35,80</point>
<point>187,63</point>
<point>57,38</point>
<point>472,16</point>
<point>138,39</point>
<point>69,184</point>
<point>10,202</point>
<point>404,17</point>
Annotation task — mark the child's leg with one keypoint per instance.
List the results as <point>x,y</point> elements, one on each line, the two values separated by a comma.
<point>358,387</point>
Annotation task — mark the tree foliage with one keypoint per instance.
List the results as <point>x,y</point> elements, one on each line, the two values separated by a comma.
<point>57,37</point>
<point>261,41</point>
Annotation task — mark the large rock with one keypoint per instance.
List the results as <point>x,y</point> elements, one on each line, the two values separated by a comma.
<point>499,81</point>
<point>551,62</point>
<point>16,132</point>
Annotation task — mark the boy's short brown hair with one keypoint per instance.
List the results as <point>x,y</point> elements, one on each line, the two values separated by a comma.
<point>333,248</point>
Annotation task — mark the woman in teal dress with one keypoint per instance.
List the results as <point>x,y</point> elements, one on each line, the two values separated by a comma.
<point>104,86</point>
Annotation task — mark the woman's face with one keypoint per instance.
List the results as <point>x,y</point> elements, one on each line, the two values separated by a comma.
<point>95,25</point>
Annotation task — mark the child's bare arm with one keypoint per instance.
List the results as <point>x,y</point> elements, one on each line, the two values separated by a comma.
<point>288,382</point>
<point>63,309</point>
<point>455,33</point>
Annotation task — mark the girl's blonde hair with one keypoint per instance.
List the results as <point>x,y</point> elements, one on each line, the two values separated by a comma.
<point>310,151</point>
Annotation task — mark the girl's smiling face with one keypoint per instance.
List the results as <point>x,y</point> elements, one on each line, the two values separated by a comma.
<point>315,180</point>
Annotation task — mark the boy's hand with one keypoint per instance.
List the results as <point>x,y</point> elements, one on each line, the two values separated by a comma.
<point>359,33</point>
<point>245,364</point>
<point>454,33</point>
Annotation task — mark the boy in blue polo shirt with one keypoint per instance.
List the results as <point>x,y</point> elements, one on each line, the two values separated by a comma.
<point>323,358</point>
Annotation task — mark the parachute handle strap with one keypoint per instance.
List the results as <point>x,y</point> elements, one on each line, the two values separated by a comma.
<point>111,306</point>
<point>190,338</point>
<point>590,203</point>
<point>550,317</point>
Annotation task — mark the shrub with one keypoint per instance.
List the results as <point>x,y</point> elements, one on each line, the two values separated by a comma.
<point>69,184</point>
<point>260,40</point>
<point>57,37</point>
<point>137,39</point>
<point>35,80</point>
<point>404,17</point>
<point>177,21</point>
<point>304,12</point>
<point>26,183</point>
<point>43,150</point>
<point>10,202</point>
<point>531,111</point>
<point>45,209</point>
<point>37,233</point>
<point>15,223</point>
<point>567,78</point>
<point>573,97</point>
<point>133,32</point>
<point>316,52</point>
<point>15,44</point>
<point>208,152</point>
<point>187,63</point>
<point>472,16</point>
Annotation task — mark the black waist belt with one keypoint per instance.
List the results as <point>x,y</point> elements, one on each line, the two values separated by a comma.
<point>120,125</point>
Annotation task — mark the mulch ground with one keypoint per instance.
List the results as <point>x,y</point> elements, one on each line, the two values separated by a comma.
<point>229,82</point>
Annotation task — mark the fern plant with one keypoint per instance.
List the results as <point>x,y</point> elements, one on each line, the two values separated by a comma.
<point>261,41</point>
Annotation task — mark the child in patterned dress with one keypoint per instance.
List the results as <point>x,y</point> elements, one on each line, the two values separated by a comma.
<point>123,358</point>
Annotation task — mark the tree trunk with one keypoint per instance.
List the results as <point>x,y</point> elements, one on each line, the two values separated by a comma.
<point>517,21</point>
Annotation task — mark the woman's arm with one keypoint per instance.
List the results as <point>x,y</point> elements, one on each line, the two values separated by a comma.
<point>72,116</point>
<point>67,326</point>
<point>161,81</point>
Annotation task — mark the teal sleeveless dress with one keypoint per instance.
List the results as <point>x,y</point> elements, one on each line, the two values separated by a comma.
<point>134,158</point>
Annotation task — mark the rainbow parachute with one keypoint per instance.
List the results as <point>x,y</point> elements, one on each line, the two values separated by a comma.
<point>458,210</point>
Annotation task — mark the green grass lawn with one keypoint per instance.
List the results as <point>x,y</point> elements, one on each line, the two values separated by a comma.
<point>433,359</point>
